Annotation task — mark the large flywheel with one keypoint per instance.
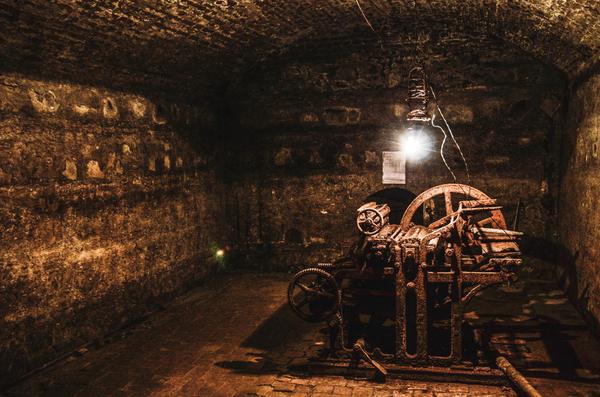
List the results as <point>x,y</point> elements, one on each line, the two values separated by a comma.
<point>448,197</point>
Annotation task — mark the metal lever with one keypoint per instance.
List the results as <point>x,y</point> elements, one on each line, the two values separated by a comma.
<point>516,378</point>
<point>360,352</point>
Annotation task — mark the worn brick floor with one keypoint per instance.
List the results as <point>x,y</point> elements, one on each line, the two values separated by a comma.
<point>235,336</point>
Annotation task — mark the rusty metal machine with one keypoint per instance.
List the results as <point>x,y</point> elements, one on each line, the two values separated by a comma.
<point>399,295</point>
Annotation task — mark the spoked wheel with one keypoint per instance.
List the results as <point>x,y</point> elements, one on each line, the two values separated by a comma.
<point>447,197</point>
<point>370,221</point>
<point>314,295</point>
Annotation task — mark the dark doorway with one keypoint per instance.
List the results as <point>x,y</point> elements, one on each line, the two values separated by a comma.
<point>398,199</point>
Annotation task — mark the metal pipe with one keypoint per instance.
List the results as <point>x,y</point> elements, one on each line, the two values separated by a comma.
<point>516,378</point>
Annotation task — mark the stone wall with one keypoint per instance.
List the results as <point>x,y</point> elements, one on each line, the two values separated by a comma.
<point>305,151</point>
<point>111,201</point>
<point>579,199</point>
<point>106,208</point>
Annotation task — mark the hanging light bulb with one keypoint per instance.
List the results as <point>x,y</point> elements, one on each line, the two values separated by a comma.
<point>415,141</point>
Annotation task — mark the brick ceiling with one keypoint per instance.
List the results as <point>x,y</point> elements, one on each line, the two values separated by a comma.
<point>198,45</point>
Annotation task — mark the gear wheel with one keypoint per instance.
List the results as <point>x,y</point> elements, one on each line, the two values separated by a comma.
<point>314,295</point>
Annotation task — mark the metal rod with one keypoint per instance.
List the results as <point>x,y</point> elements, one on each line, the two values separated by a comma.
<point>516,378</point>
<point>514,225</point>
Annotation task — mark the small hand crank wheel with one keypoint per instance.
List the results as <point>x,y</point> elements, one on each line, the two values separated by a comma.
<point>314,295</point>
<point>369,221</point>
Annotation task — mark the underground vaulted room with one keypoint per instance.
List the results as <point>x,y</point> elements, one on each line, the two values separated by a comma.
<point>314,198</point>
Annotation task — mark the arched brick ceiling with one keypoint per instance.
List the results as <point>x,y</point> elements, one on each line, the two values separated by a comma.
<point>197,45</point>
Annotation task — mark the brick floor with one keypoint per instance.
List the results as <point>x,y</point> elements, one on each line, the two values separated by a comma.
<point>235,337</point>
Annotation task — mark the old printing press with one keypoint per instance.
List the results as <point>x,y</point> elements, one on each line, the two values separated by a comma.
<point>398,297</point>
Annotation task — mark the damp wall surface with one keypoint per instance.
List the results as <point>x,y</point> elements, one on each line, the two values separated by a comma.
<point>306,142</point>
<point>579,255</point>
<point>107,209</point>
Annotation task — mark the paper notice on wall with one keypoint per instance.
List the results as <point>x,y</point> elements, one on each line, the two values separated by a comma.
<point>394,168</point>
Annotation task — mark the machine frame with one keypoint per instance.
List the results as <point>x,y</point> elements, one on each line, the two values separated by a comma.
<point>445,263</point>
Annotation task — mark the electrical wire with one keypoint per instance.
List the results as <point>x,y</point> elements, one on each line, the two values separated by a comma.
<point>442,146</point>
<point>365,17</point>
<point>369,23</point>
<point>451,134</point>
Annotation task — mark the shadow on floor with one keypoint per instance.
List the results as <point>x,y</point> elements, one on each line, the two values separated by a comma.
<point>543,350</point>
<point>533,325</point>
<point>277,340</point>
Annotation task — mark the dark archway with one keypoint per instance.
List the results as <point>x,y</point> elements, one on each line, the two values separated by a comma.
<point>397,198</point>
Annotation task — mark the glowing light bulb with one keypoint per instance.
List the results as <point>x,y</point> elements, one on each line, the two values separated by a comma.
<point>415,144</point>
<point>220,253</point>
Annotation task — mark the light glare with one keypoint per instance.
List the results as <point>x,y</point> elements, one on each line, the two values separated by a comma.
<point>415,145</point>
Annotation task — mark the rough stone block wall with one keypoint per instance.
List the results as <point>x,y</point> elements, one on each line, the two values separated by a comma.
<point>579,200</point>
<point>106,208</point>
<point>110,201</point>
<point>307,149</point>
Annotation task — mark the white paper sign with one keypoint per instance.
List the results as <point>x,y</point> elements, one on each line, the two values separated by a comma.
<point>394,168</point>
